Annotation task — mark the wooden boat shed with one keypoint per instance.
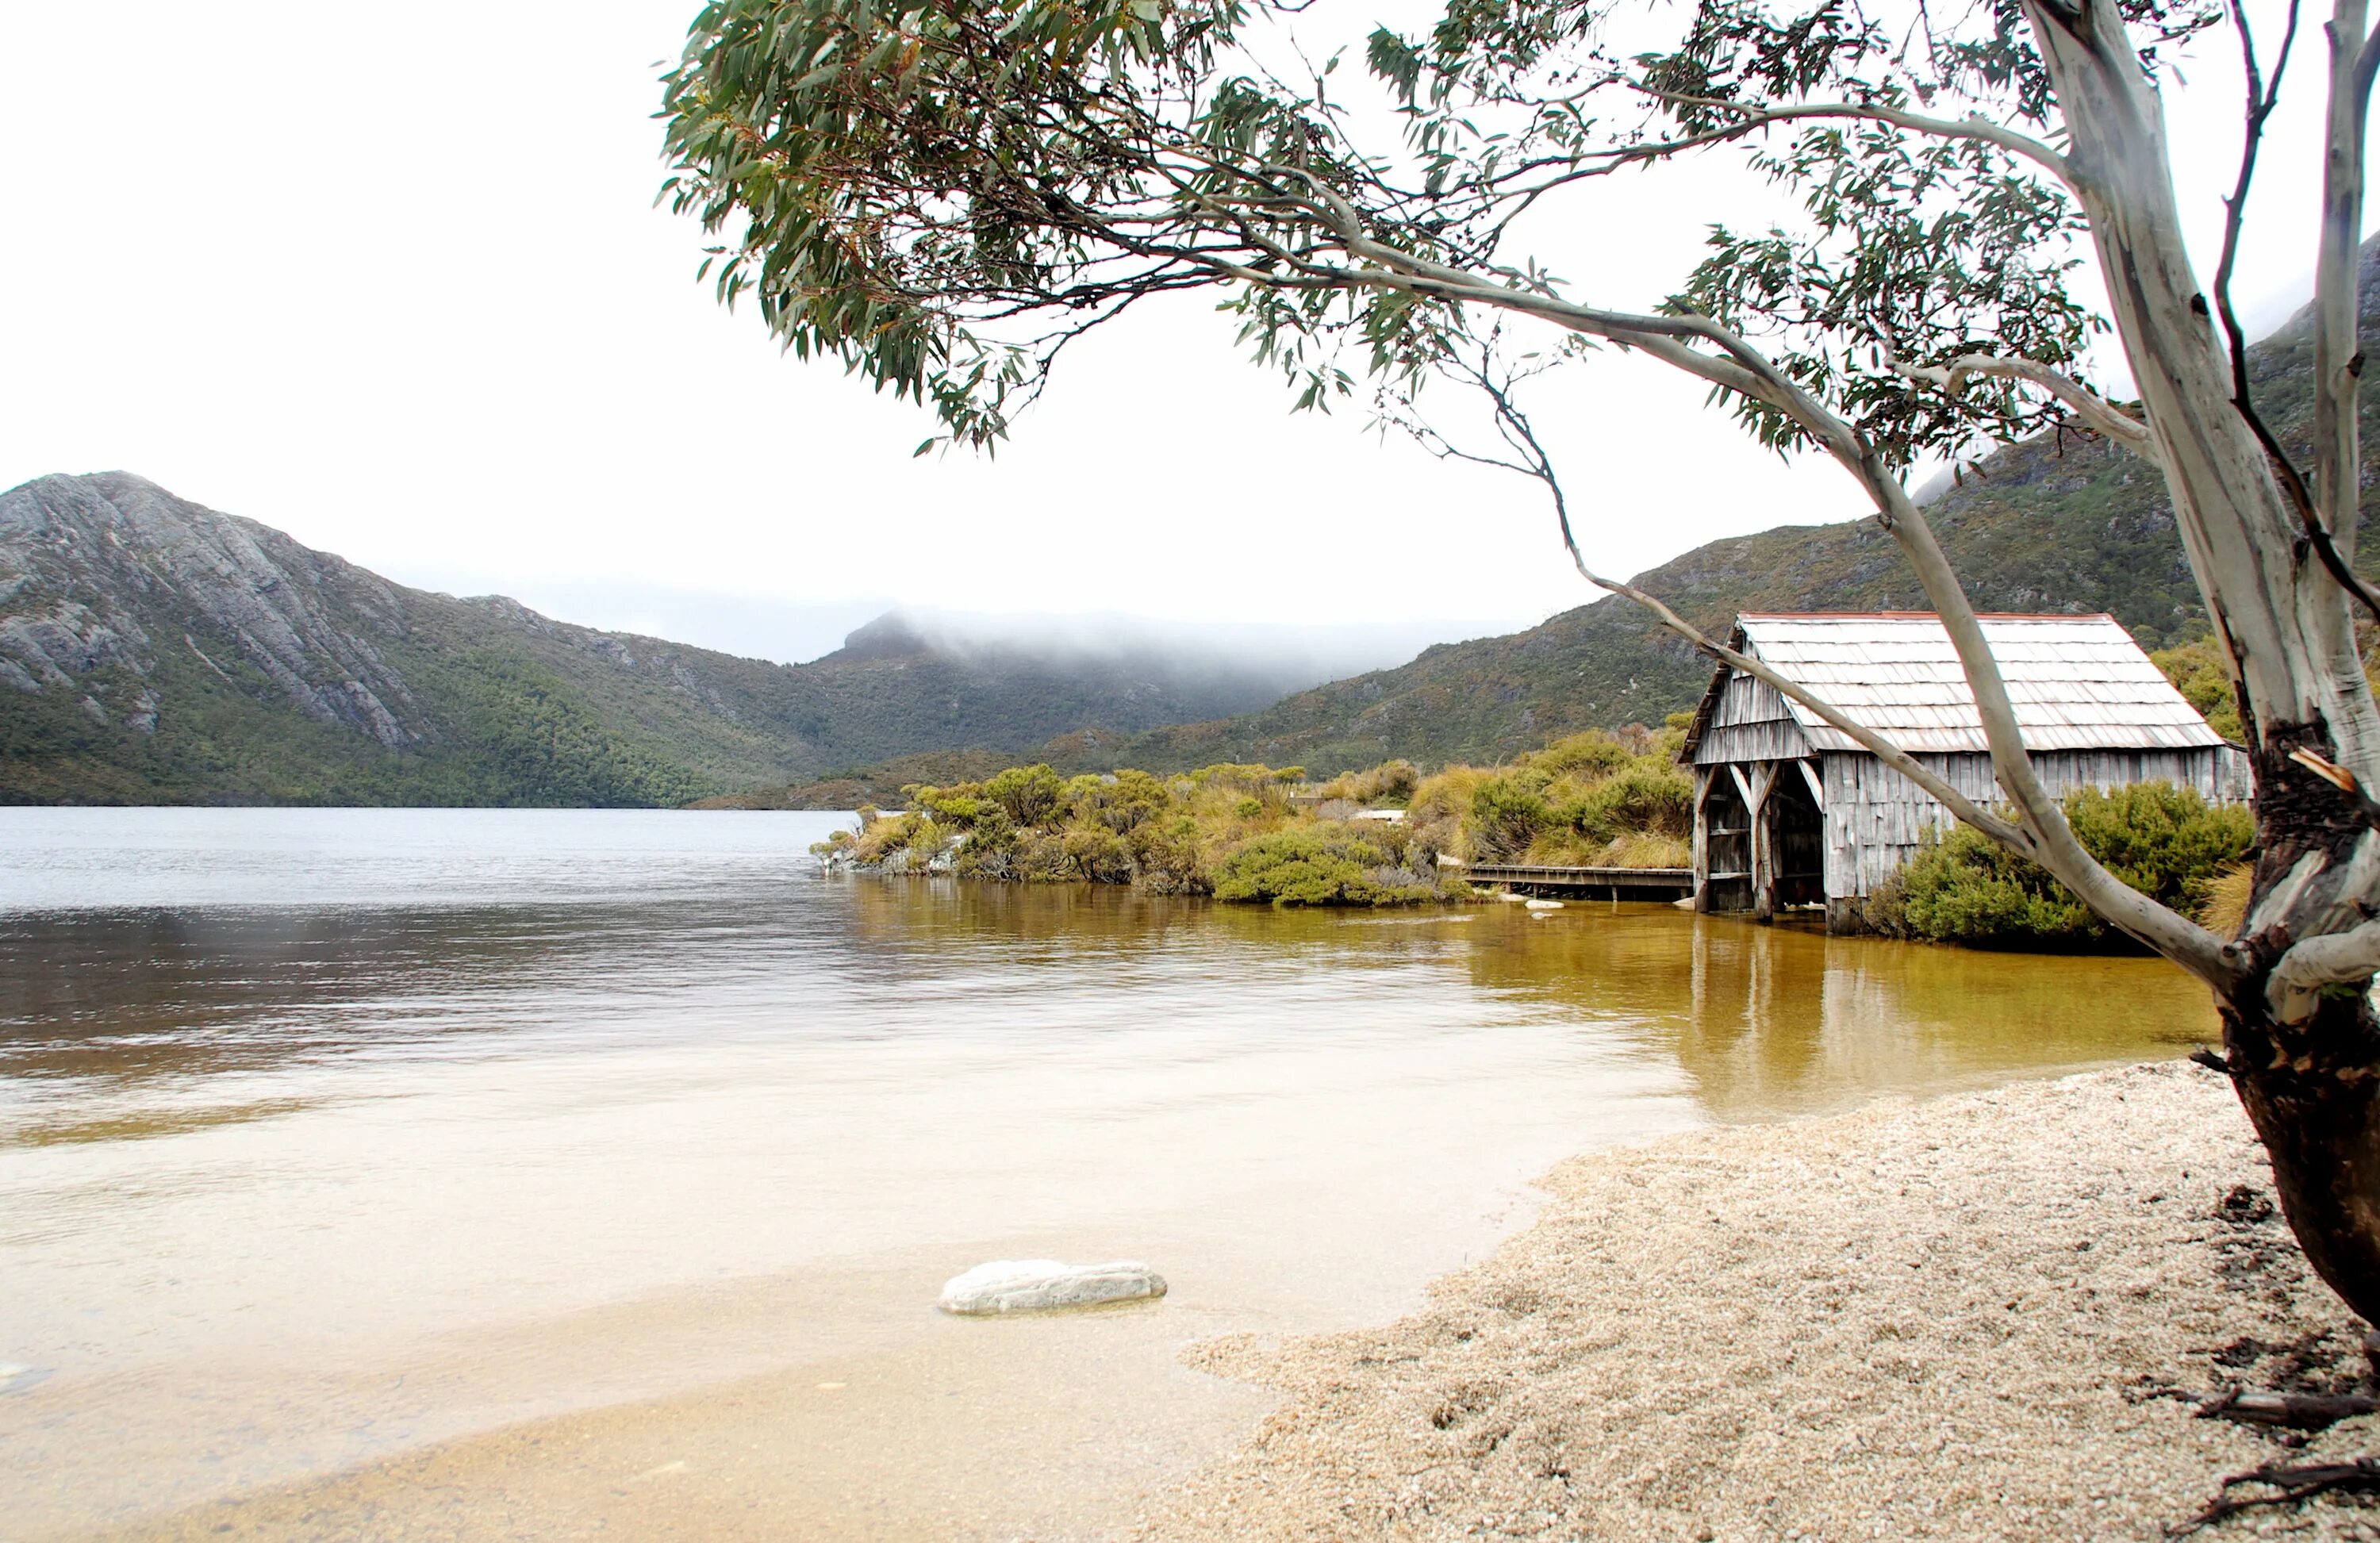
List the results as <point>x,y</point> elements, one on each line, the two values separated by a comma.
<point>1790,813</point>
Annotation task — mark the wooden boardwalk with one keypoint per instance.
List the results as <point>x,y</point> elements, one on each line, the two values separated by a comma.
<point>1616,883</point>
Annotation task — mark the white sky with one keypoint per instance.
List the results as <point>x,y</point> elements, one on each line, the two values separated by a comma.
<point>390,279</point>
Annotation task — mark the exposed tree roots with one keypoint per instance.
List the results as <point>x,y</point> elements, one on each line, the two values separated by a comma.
<point>2288,1484</point>
<point>2294,1411</point>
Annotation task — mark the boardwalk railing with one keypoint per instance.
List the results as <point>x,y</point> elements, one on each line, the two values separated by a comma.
<point>1620,883</point>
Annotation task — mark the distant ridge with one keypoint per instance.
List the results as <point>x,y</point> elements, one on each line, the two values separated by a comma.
<point>152,649</point>
<point>2051,524</point>
<point>2048,525</point>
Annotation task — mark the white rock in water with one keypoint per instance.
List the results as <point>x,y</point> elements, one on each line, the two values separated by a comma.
<point>1545,904</point>
<point>1042,1285</point>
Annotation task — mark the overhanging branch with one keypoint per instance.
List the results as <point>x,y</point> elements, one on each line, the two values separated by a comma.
<point>1758,115</point>
<point>2088,405</point>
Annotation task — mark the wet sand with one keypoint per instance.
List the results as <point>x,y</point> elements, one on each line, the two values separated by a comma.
<point>1967,1317</point>
<point>990,1425</point>
<point>1962,1319</point>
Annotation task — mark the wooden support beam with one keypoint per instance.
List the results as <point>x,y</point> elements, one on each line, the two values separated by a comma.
<point>1750,804</point>
<point>1764,842</point>
<point>1704,782</point>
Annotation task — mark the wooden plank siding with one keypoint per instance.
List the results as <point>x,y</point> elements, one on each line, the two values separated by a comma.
<point>1750,723</point>
<point>1876,817</point>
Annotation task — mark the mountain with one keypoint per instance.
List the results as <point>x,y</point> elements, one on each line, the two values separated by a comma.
<point>2035,527</point>
<point>155,650</point>
<point>2056,523</point>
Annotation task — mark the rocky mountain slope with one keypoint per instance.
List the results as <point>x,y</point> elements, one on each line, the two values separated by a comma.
<point>155,650</point>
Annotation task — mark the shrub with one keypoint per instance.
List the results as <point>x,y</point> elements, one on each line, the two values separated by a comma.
<point>1166,853</point>
<point>1594,755</point>
<point>1389,783</point>
<point>1029,795</point>
<point>2198,672</point>
<point>1309,867</point>
<point>992,846</point>
<point>1123,802</point>
<point>959,807</point>
<point>1648,795</point>
<point>1505,816</point>
<point>2164,841</point>
<point>1098,854</point>
<point>1249,777</point>
<point>928,842</point>
<point>1230,830</point>
<point>1962,887</point>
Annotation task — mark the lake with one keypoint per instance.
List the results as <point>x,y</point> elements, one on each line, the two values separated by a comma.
<point>481,1174</point>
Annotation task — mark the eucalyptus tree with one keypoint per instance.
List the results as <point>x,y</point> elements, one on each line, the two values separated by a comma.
<point>943,193</point>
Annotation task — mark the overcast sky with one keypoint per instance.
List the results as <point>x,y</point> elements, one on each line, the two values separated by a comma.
<point>390,279</point>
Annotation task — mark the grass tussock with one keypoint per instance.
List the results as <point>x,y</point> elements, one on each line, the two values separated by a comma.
<point>2224,912</point>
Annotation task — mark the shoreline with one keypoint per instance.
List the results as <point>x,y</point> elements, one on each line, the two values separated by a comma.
<point>1964,1318</point>
<point>1873,1323</point>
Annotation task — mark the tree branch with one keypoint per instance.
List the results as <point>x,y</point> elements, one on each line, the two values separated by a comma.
<point>2088,405</point>
<point>2262,100</point>
<point>2338,351</point>
<point>1747,371</point>
<point>1756,115</point>
<point>2346,958</point>
<point>1541,466</point>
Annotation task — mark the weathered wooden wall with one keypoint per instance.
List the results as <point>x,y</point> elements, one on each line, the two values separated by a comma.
<point>1750,723</point>
<point>1876,817</point>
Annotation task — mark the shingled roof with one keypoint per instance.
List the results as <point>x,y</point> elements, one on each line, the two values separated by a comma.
<point>2077,683</point>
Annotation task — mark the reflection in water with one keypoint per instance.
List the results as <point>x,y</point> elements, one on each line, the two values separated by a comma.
<point>325,1135</point>
<point>1771,1021</point>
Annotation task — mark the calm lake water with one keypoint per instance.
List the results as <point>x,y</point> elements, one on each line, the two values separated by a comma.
<point>487,1173</point>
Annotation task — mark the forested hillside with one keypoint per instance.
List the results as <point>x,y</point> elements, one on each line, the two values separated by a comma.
<point>154,651</point>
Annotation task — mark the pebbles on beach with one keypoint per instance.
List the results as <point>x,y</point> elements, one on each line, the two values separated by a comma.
<point>1045,1285</point>
<point>1987,1317</point>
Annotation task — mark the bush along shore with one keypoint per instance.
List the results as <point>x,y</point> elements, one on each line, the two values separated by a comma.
<point>2164,841</point>
<point>1392,836</point>
<point>1386,836</point>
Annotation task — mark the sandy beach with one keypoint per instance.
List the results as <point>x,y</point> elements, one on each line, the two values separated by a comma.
<point>1973,1317</point>
<point>1981,1315</point>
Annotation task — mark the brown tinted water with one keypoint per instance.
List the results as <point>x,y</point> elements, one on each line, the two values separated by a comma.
<point>437,1174</point>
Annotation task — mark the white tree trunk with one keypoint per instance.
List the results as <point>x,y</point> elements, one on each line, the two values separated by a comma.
<point>2304,1054</point>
